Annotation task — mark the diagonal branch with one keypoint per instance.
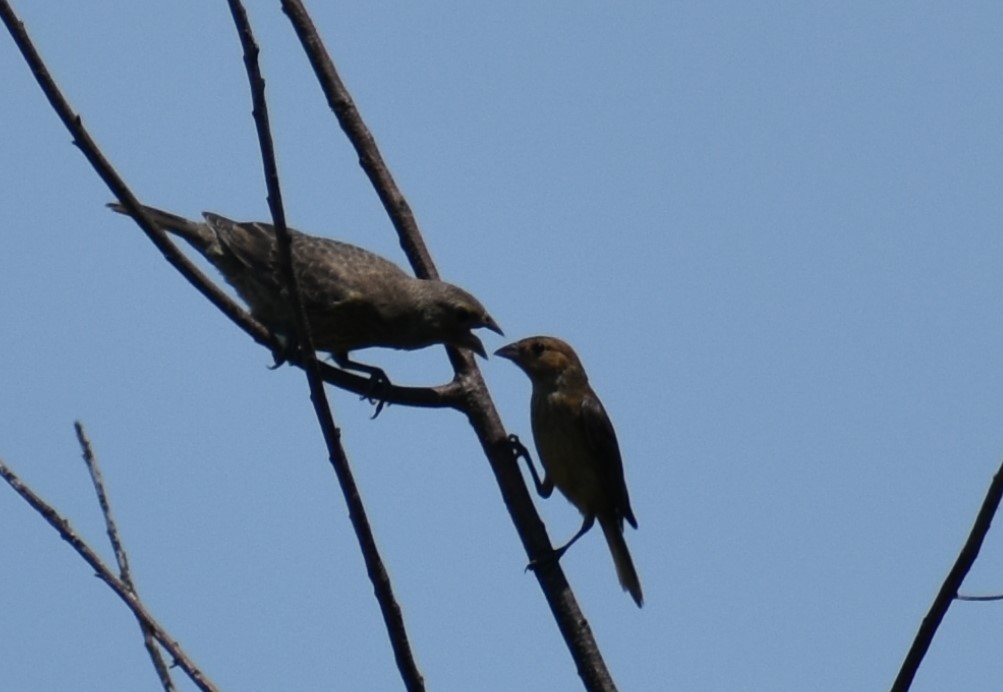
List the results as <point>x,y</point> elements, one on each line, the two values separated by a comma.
<point>476,402</point>
<point>124,573</point>
<point>949,589</point>
<point>392,617</point>
<point>121,589</point>
<point>362,139</point>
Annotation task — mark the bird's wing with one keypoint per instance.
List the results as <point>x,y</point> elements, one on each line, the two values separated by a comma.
<point>332,271</point>
<point>324,266</point>
<point>602,439</point>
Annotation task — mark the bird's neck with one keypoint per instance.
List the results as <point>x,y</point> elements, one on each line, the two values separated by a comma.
<point>567,380</point>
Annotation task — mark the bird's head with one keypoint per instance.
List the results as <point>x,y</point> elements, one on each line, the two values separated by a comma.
<point>543,358</point>
<point>453,313</point>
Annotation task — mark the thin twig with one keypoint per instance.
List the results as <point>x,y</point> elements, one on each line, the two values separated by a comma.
<point>476,402</point>
<point>392,616</point>
<point>181,659</point>
<point>996,597</point>
<point>949,589</point>
<point>124,573</point>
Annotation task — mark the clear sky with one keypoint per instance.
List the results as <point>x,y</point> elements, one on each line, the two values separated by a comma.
<point>771,230</point>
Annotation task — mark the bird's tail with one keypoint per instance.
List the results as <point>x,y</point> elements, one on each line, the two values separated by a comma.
<point>198,234</point>
<point>621,558</point>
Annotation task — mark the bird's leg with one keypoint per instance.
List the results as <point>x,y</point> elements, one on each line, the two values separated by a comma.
<point>545,487</point>
<point>586,525</point>
<point>379,383</point>
<point>558,553</point>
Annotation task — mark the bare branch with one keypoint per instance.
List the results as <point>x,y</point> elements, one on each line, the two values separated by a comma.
<point>370,158</point>
<point>449,395</point>
<point>996,597</point>
<point>123,591</point>
<point>121,557</point>
<point>949,589</point>
<point>392,617</point>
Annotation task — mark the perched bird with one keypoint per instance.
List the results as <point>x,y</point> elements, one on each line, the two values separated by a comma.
<point>577,446</point>
<point>353,298</point>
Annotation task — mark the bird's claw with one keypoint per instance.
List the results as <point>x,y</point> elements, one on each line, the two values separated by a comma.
<point>543,486</point>
<point>379,390</point>
<point>518,448</point>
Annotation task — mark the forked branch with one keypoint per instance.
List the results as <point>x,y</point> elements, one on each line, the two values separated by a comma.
<point>60,524</point>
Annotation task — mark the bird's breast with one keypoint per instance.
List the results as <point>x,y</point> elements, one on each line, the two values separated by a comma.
<point>564,450</point>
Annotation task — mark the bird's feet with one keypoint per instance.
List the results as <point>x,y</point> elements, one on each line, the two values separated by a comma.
<point>519,450</point>
<point>544,487</point>
<point>378,392</point>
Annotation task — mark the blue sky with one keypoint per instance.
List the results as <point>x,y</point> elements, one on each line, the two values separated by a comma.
<point>771,230</point>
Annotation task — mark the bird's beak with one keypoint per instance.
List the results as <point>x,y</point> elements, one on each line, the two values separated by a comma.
<point>510,352</point>
<point>489,322</point>
<point>470,341</point>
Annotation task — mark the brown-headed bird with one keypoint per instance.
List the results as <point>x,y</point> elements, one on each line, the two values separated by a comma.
<point>577,446</point>
<point>353,298</point>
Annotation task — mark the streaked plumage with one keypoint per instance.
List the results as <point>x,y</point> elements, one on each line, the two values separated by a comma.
<point>353,298</point>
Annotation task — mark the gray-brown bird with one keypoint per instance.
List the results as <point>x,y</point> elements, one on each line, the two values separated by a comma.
<point>577,446</point>
<point>353,298</point>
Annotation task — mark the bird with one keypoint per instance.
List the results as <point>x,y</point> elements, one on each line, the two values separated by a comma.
<point>354,299</point>
<point>577,446</point>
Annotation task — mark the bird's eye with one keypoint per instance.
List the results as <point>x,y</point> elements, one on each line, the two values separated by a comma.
<point>538,348</point>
